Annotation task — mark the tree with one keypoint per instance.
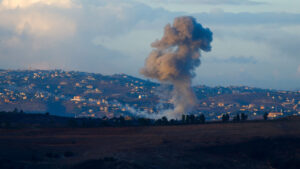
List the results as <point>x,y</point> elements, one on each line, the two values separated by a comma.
<point>237,118</point>
<point>192,118</point>
<point>225,117</point>
<point>202,118</point>
<point>172,121</point>
<point>187,119</point>
<point>158,122</point>
<point>266,116</point>
<point>244,117</point>
<point>183,118</point>
<point>144,121</point>
<point>15,110</point>
<point>164,120</point>
<point>122,120</point>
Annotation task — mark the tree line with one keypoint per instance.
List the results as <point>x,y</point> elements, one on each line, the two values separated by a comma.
<point>46,120</point>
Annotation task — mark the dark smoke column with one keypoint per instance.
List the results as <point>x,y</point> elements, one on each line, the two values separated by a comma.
<point>175,57</point>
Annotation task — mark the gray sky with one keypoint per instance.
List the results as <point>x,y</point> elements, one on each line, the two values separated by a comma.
<point>256,43</point>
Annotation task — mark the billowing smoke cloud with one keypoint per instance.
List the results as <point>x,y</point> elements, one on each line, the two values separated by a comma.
<point>175,58</point>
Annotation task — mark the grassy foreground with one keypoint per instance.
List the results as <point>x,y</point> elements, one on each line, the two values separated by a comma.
<point>265,145</point>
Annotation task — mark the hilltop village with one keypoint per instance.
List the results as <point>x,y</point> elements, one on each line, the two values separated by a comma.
<point>80,94</point>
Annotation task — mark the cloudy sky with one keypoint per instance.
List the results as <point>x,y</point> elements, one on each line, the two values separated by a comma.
<point>256,42</point>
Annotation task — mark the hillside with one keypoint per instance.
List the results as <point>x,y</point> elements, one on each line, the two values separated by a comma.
<point>80,94</point>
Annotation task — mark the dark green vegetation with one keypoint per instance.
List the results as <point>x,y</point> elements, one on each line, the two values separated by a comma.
<point>18,120</point>
<point>233,145</point>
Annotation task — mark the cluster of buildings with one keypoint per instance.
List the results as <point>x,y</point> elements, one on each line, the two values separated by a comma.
<point>82,94</point>
<point>254,103</point>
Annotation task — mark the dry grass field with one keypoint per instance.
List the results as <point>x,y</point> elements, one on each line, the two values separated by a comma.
<point>265,145</point>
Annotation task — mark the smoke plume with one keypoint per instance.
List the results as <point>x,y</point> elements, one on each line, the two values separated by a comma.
<point>174,59</point>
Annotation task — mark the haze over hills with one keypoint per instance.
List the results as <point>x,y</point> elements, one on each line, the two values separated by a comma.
<point>80,94</point>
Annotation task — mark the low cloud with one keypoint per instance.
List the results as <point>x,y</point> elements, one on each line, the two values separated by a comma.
<point>37,24</point>
<point>210,2</point>
<point>245,18</point>
<point>50,34</point>
<point>234,59</point>
<point>13,4</point>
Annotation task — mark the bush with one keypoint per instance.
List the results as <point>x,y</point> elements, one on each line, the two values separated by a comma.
<point>225,117</point>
